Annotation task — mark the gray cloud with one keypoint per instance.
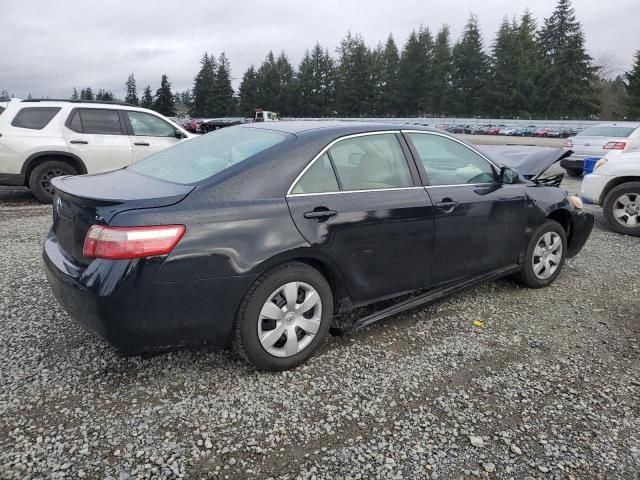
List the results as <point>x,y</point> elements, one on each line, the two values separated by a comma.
<point>47,48</point>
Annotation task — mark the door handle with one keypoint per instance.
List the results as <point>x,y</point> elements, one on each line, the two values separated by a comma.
<point>142,144</point>
<point>320,215</point>
<point>447,204</point>
<point>82,142</point>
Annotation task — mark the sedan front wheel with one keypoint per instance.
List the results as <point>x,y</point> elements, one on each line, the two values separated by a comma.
<point>545,255</point>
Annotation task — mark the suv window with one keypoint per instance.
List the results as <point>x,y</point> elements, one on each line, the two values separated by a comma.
<point>96,121</point>
<point>319,178</point>
<point>145,124</point>
<point>1,110</point>
<point>370,162</point>
<point>448,162</point>
<point>35,118</point>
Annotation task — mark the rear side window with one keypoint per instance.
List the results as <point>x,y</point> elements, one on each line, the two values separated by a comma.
<point>200,158</point>
<point>319,178</point>
<point>35,118</point>
<point>96,121</point>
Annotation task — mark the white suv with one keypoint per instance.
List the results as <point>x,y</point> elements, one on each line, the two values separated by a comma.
<point>42,139</point>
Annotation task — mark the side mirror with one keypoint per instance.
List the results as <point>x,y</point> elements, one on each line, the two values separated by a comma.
<point>508,176</point>
<point>179,134</point>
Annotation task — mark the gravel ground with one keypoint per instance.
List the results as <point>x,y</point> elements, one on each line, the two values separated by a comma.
<point>548,387</point>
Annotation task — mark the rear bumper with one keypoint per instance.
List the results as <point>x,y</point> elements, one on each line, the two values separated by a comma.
<point>572,163</point>
<point>122,303</point>
<point>581,227</point>
<point>12,179</point>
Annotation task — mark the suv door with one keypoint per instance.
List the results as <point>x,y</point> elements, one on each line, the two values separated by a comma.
<point>479,222</point>
<point>99,138</point>
<point>360,202</point>
<point>149,134</point>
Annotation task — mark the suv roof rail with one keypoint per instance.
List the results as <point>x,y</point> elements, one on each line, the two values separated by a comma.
<point>107,102</point>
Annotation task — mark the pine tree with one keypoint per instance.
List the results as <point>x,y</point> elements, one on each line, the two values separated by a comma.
<point>203,88</point>
<point>285,100</point>
<point>633,88</point>
<point>164,103</point>
<point>529,69</point>
<point>132,91</point>
<point>147,98</point>
<point>104,95</point>
<point>354,88</point>
<point>504,70</point>
<point>388,88</point>
<point>411,83</point>
<point>441,81</point>
<point>74,95</point>
<point>87,94</point>
<point>569,76</point>
<point>469,72</point>
<point>315,83</point>
<point>248,92</point>
<point>223,103</point>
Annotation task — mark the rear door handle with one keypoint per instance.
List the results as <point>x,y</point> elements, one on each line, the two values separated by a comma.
<point>141,144</point>
<point>320,214</point>
<point>82,142</point>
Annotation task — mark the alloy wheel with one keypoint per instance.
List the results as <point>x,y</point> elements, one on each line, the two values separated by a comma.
<point>289,319</point>
<point>626,209</point>
<point>547,255</point>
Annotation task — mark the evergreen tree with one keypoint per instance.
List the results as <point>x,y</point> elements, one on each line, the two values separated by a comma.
<point>269,85</point>
<point>354,88</point>
<point>204,87</point>
<point>315,83</point>
<point>104,95</point>
<point>529,69</point>
<point>132,91</point>
<point>223,103</point>
<point>410,76</point>
<point>285,100</point>
<point>504,70</point>
<point>441,79</point>
<point>633,88</point>
<point>87,94</point>
<point>164,103</point>
<point>469,72</point>
<point>376,69</point>
<point>248,92</point>
<point>569,76</point>
<point>74,95</point>
<point>147,98</point>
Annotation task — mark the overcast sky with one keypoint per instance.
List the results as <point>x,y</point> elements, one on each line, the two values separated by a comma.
<point>48,47</point>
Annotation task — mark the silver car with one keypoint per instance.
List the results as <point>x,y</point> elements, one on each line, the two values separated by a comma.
<point>599,140</point>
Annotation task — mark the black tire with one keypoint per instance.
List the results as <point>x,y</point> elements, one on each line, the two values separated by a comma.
<point>574,172</point>
<point>527,276</point>
<point>246,341</point>
<point>632,189</point>
<point>40,178</point>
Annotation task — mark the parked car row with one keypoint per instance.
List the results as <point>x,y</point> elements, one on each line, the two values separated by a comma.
<point>512,131</point>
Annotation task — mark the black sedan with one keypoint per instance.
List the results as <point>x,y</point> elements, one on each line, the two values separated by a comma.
<point>261,236</point>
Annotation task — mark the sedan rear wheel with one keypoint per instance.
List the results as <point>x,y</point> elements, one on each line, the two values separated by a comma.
<point>622,208</point>
<point>545,255</point>
<point>284,317</point>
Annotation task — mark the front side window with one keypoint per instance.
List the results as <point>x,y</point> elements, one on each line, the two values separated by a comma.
<point>200,158</point>
<point>145,124</point>
<point>34,118</point>
<point>447,162</point>
<point>370,162</point>
<point>319,178</point>
<point>97,121</point>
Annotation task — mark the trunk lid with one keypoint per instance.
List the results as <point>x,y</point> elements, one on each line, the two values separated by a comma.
<point>592,146</point>
<point>86,200</point>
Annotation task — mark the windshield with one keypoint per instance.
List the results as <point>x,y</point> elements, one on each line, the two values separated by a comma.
<point>200,158</point>
<point>606,132</point>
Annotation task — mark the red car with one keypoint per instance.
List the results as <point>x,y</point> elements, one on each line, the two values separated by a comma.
<point>541,132</point>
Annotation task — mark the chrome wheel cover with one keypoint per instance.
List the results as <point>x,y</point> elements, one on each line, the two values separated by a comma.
<point>626,209</point>
<point>289,319</point>
<point>547,255</point>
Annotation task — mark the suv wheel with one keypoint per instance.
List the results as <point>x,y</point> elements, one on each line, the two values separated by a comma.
<point>41,176</point>
<point>622,208</point>
<point>284,317</point>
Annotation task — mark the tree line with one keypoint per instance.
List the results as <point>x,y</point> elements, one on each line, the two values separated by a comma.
<point>528,71</point>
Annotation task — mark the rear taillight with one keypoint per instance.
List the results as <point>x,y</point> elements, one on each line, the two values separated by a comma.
<point>118,243</point>
<point>615,146</point>
<point>568,144</point>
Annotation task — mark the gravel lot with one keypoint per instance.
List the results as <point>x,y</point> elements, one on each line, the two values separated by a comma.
<point>548,387</point>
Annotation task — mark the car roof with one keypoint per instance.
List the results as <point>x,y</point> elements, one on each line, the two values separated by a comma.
<point>334,127</point>
<point>617,124</point>
<point>81,103</point>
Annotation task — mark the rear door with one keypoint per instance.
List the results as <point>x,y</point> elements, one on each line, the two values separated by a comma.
<point>149,134</point>
<point>479,222</point>
<point>360,201</point>
<point>99,138</point>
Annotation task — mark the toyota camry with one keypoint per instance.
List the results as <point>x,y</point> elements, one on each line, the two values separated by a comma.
<point>262,236</point>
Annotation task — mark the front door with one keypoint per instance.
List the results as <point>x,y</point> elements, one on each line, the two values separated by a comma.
<point>479,222</point>
<point>360,202</point>
<point>149,134</point>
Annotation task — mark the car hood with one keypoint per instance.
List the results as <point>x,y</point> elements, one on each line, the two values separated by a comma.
<point>530,162</point>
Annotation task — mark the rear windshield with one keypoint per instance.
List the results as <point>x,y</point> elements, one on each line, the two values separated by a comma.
<point>606,132</point>
<point>195,160</point>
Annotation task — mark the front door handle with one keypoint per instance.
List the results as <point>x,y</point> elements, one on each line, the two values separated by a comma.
<point>447,204</point>
<point>142,144</point>
<point>82,142</point>
<point>320,215</point>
